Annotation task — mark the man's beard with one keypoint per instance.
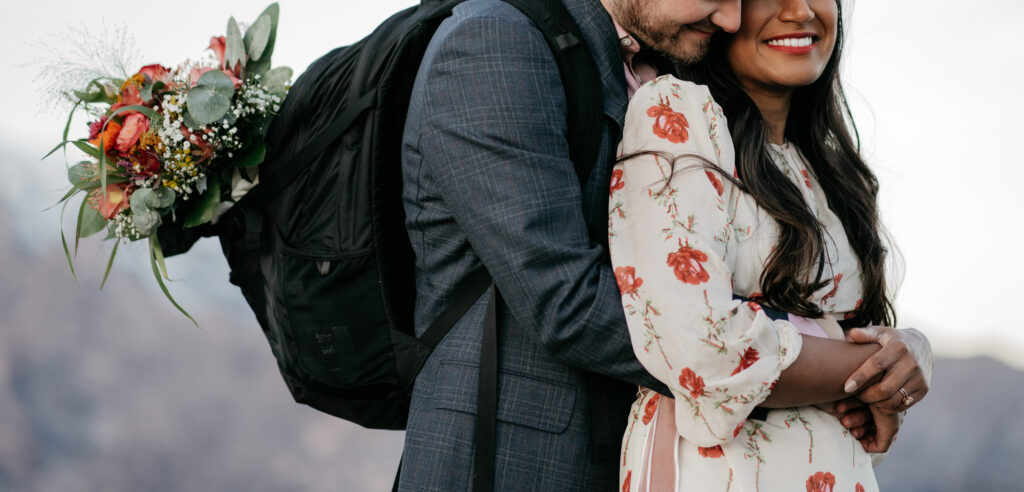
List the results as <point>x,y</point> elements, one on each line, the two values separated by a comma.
<point>659,38</point>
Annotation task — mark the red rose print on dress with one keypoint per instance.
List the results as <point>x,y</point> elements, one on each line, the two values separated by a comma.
<point>625,483</point>
<point>835,288</point>
<point>688,266</point>
<point>668,124</point>
<point>715,452</point>
<point>821,482</point>
<point>689,380</point>
<point>749,357</point>
<point>716,182</point>
<point>853,314</point>
<point>650,409</point>
<point>625,276</point>
<point>617,182</point>
<point>807,179</point>
<point>858,488</point>
<point>736,432</point>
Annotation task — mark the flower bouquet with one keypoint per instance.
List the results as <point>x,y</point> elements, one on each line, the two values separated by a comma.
<point>174,144</point>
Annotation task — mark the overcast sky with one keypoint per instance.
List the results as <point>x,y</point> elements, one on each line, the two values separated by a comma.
<point>935,87</point>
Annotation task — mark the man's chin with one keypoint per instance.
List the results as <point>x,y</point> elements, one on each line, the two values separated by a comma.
<point>686,52</point>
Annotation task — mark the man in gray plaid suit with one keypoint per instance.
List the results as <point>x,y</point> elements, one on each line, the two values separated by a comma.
<point>488,180</point>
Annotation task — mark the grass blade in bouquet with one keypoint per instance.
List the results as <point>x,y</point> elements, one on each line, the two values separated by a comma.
<point>166,145</point>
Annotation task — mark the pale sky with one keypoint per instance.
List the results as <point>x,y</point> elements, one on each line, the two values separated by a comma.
<point>934,86</point>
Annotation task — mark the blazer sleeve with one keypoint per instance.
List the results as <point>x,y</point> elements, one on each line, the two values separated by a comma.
<point>676,223</point>
<point>494,136</point>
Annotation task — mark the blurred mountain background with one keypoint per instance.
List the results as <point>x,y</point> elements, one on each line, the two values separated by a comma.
<point>114,390</point>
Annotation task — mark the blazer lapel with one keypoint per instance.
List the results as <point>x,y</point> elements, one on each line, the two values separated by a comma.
<point>599,34</point>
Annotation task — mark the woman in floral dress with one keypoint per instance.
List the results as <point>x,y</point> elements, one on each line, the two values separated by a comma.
<point>705,231</point>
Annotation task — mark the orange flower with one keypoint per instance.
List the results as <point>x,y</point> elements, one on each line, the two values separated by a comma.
<point>135,125</point>
<point>108,136</point>
<point>114,202</point>
<point>715,452</point>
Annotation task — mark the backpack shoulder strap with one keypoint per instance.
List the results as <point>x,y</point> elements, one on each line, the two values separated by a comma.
<point>580,78</point>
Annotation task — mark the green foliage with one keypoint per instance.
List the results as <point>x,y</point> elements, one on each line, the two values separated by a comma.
<point>261,66</point>
<point>276,80</point>
<point>207,204</point>
<point>257,36</point>
<point>257,151</point>
<point>234,50</point>
<point>210,99</point>
<point>89,221</point>
<point>148,205</point>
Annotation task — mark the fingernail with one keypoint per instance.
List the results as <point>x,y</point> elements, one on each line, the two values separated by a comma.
<point>851,385</point>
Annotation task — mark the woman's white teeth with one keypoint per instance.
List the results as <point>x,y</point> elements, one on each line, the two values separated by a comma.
<point>792,42</point>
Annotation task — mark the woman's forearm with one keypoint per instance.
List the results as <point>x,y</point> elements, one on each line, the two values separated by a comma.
<point>819,373</point>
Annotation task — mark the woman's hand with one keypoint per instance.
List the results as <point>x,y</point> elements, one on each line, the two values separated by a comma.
<point>905,361</point>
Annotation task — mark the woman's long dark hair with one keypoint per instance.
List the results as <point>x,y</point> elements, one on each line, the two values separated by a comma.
<point>821,126</point>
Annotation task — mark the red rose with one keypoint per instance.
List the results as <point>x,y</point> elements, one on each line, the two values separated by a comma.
<point>691,381</point>
<point>821,482</point>
<point>132,128</point>
<point>715,452</point>
<point>717,183</point>
<point>688,266</point>
<point>749,357</point>
<point>650,409</point>
<point>628,284</point>
<point>625,484</point>
<point>617,183</point>
<point>736,431</point>
<point>668,124</point>
<point>755,307</point>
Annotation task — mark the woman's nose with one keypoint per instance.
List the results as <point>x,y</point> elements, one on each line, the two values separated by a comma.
<point>798,11</point>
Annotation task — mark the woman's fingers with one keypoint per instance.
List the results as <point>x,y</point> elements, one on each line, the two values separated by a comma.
<point>885,428</point>
<point>892,351</point>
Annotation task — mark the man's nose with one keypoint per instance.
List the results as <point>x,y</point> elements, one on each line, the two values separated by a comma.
<point>727,16</point>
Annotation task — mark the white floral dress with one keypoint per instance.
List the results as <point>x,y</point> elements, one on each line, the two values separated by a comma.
<point>681,248</point>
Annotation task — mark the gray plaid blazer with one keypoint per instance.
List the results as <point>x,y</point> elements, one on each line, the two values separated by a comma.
<point>487,179</point>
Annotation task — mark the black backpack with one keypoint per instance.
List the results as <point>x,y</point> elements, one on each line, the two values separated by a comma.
<point>319,247</point>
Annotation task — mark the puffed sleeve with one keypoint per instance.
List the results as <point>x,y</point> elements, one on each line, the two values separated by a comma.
<point>674,226</point>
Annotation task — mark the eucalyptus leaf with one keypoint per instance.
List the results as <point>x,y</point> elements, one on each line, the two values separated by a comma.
<point>276,79</point>
<point>256,37</point>
<point>210,99</point>
<point>147,92</point>
<point>207,204</point>
<point>260,67</point>
<point>146,221</point>
<point>90,221</point>
<point>234,50</point>
<point>80,174</point>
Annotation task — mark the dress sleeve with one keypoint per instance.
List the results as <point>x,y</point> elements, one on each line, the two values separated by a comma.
<point>674,227</point>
